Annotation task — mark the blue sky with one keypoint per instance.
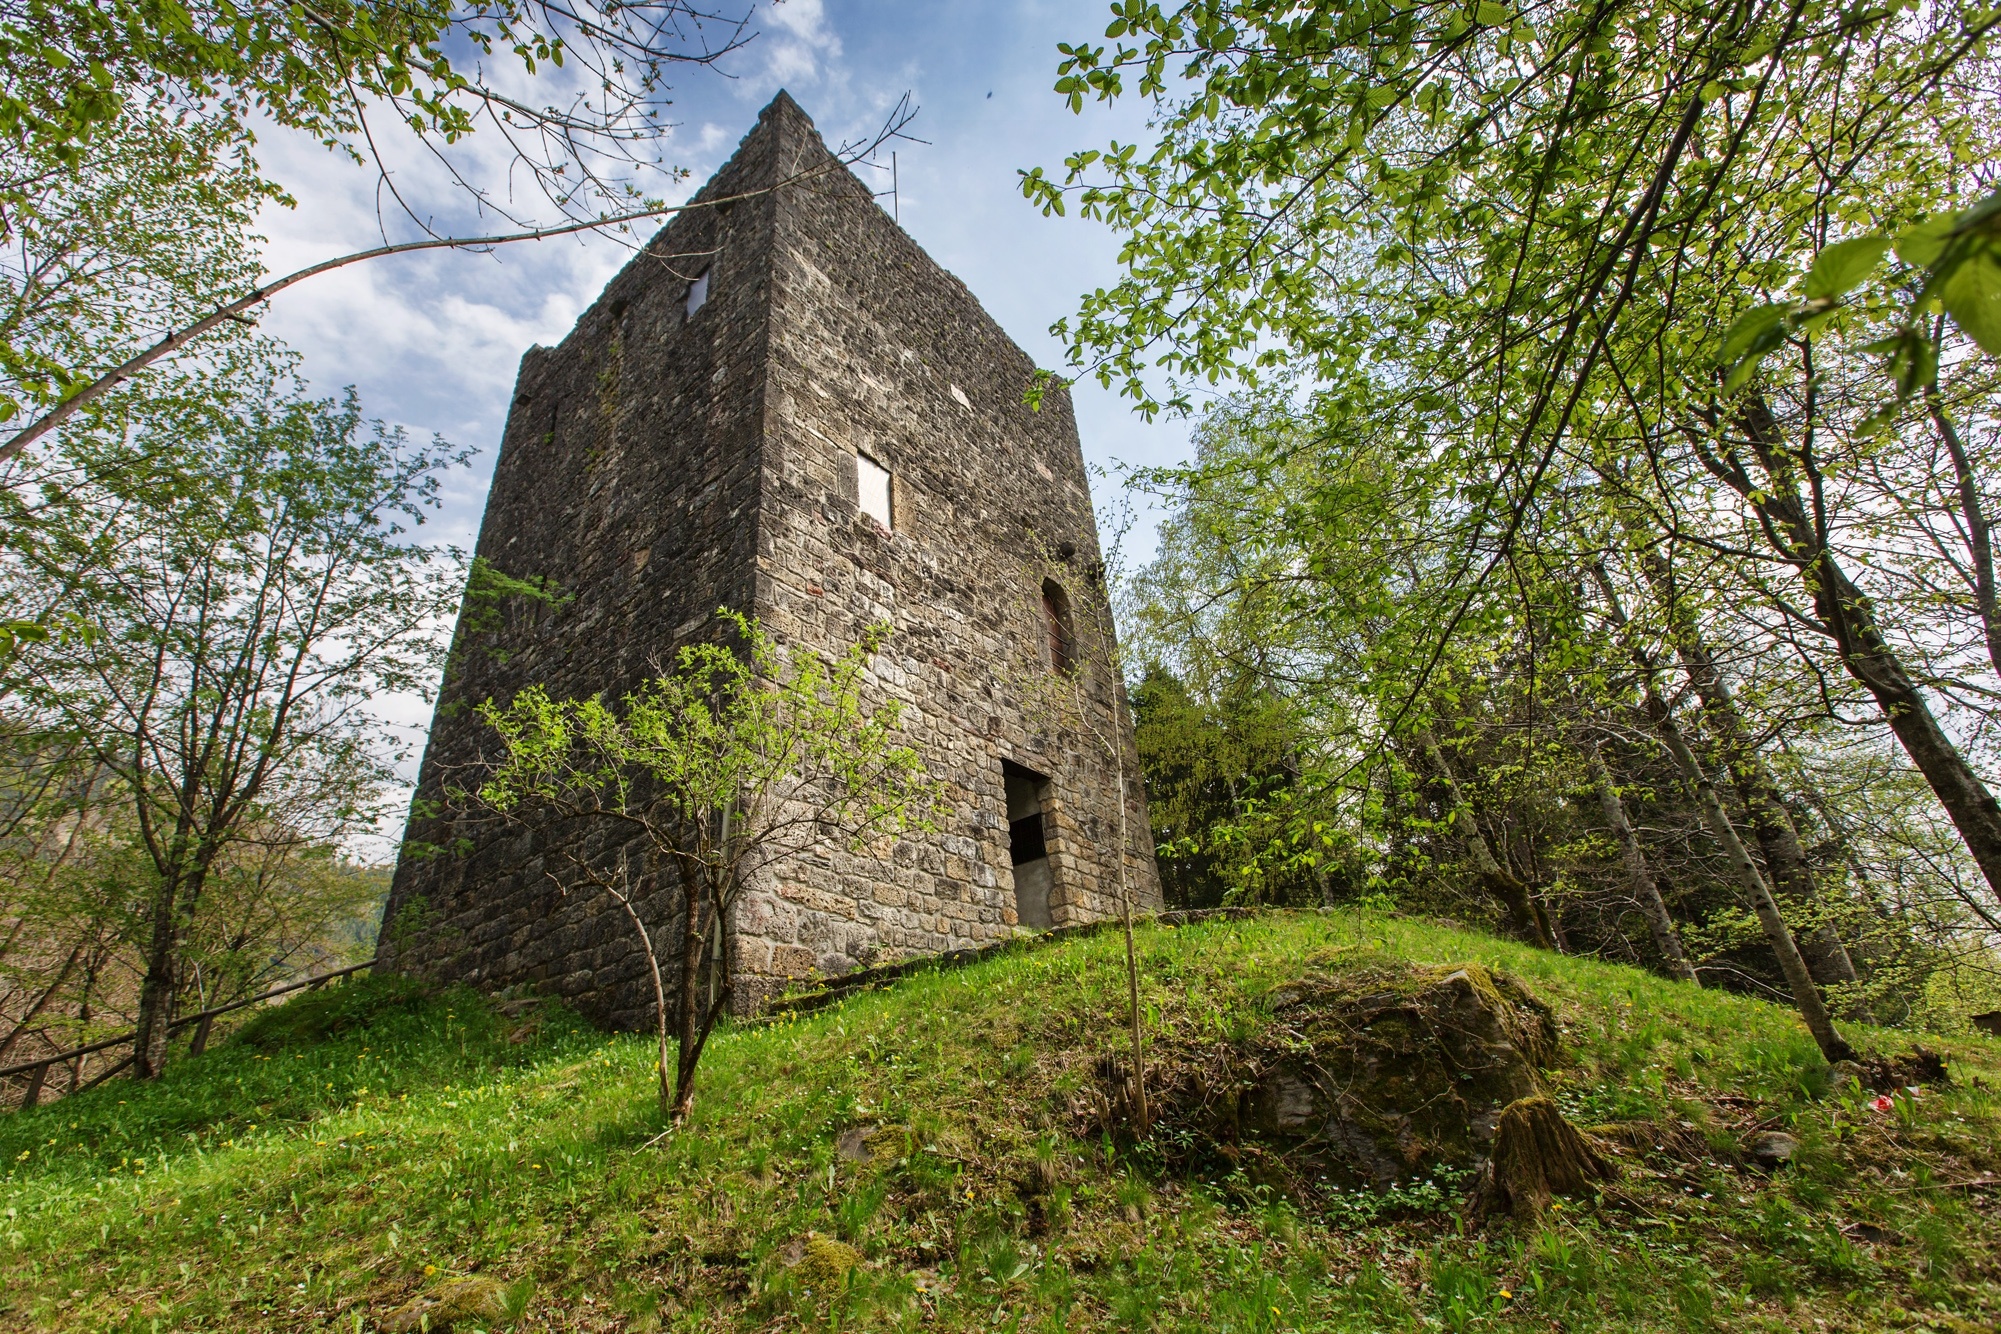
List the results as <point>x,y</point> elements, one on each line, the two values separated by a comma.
<point>432,341</point>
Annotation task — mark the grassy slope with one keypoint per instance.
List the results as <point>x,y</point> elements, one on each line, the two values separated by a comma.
<point>316,1186</point>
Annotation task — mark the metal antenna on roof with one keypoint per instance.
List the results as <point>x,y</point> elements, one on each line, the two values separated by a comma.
<point>895,200</point>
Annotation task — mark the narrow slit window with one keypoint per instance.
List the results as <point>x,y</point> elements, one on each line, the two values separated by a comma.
<point>872,490</point>
<point>1062,637</point>
<point>698,292</point>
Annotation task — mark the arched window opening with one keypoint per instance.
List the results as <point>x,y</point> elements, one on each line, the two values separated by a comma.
<point>1062,637</point>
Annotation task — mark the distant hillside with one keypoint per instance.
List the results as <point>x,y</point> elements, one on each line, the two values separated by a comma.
<point>949,1152</point>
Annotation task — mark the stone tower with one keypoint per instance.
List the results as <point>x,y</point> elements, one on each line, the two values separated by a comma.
<point>782,405</point>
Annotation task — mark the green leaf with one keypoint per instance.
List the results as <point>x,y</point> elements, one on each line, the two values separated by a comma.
<point>1490,15</point>
<point>1756,332</point>
<point>1753,325</point>
<point>1740,373</point>
<point>1910,358</point>
<point>1984,215</point>
<point>1972,296</point>
<point>1839,268</point>
<point>1924,243</point>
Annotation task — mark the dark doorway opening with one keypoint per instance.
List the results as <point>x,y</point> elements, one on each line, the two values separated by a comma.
<point>1028,843</point>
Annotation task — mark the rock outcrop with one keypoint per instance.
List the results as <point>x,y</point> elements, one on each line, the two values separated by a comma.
<point>1371,1074</point>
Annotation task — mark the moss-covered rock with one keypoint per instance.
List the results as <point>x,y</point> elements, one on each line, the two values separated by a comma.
<point>1366,1075</point>
<point>819,1264</point>
<point>456,1304</point>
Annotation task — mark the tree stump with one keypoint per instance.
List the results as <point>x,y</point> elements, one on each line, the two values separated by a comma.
<point>1537,1155</point>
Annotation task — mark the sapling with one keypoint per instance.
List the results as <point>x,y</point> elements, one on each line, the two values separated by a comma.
<point>737,759</point>
<point>1057,693</point>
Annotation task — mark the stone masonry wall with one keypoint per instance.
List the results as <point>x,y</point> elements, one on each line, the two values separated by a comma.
<point>657,465</point>
<point>628,477</point>
<point>876,349</point>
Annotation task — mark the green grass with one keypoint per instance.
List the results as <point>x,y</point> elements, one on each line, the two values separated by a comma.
<point>362,1146</point>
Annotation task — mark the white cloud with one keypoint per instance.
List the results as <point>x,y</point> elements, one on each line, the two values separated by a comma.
<point>805,19</point>
<point>791,62</point>
<point>802,44</point>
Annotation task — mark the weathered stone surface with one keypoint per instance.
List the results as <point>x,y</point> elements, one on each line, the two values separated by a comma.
<point>457,1303</point>
<point>1400,1073</point>
<point>1772,1149</point>
<point>1367,1076</point>
<point>661,463</point>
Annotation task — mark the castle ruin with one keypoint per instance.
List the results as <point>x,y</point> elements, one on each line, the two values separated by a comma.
<point>783,406</point>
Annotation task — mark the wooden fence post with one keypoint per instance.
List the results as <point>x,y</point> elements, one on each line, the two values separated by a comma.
<point>35,1078</point>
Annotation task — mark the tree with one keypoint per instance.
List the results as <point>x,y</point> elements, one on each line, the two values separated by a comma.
<point>132,233</point>
<point>1500,224</point>
<point>1646,889</point>
<point>73,935</point>
<point>221,638</point>
<point>1524,912</point>
<point>72,68</point>
<point>1222,781</point>
<point>709,776</point>
<point>1277,563</point>
<point>1755,885</point>
<point>166,101</point>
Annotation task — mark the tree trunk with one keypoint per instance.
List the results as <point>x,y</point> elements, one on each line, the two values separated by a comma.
<point>1756,892</point>
<point>1645,888</point>
<point>158,992</point>
<point>1537,1155</point>
<point>1979,534</point>
<point>1523,910</point>
<point>1132,964</point>
<point>1847,614</point>
<point>689,1020</point>
<point>1778,837</point>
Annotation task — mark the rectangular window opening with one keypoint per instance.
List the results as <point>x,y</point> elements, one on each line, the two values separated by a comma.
<point>698,292</point>
<point>1028,844</point>
<point>872,490</point>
